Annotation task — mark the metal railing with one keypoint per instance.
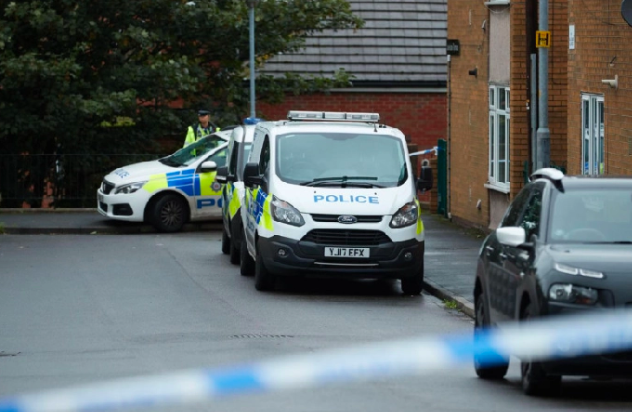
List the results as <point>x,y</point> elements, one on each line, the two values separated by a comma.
<point>68,180</point>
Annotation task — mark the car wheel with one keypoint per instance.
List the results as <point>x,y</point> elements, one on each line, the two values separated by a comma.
<point>414,284</point>
<point>226,244</point>
<point>169,213</point>
<point>264,280</point>
<point>535,381</point>
<point>235,249</point>
<point>247,264</point>
<point>499,370</point>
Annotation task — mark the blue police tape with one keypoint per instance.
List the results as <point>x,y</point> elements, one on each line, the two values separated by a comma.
<point>424,152</point>
<point>560,337</point>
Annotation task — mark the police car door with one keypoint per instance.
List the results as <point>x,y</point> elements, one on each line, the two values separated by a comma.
<point>208,197</point>
<point>260,154</point>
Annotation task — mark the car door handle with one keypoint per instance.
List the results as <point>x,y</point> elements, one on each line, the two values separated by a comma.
<point>502,256</point>
<point>489,250</point>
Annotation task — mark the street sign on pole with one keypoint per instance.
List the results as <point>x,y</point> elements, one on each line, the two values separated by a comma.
<point>542,38</point>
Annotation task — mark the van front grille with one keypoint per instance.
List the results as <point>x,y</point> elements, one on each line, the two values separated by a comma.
<point>334,218</point>
<point>341,237</point>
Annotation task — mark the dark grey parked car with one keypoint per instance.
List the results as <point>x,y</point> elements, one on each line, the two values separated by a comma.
<point>563,246</point>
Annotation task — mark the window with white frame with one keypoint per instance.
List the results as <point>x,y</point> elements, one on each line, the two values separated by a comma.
<point>499,137</point>
<point>592,134</point>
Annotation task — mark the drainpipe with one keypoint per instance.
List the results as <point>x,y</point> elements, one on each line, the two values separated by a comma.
<point>543,134</point>
<point>447,212</point>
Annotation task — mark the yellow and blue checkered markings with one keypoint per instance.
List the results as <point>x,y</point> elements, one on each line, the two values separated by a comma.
<point>234,205</point>
<point>259,208</point>
<point>190,183</point>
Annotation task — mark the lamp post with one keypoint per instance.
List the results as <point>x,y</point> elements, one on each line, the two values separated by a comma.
<point>251,15</point>
<point>543,134</point>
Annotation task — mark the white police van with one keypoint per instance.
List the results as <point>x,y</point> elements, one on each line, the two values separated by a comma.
<point>169,191</point>
<point>233,191</point>
<point>333,194</point>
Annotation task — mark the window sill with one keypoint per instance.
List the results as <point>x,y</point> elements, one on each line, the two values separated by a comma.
<point>497,3</point>
<point>502,189</point>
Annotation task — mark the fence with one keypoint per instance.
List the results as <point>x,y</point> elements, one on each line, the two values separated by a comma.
<point>68,180</point>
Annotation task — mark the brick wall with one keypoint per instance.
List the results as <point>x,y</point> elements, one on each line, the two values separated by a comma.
<point>602,50</point>
<point>468,141</point>
<point>420,116</point>
<point>558,82</point>
<point>520,93</point>
<point>468,101</point>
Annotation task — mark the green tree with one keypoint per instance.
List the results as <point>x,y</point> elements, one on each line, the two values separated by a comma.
<point>69,70</point>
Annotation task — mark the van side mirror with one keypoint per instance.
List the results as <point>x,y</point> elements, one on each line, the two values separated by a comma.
<point>208,166</point>
<point>222,173</point>
<point>252,176</point>
<point>425,179</point>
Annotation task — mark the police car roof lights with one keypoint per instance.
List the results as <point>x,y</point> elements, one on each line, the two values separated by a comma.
<point>334,116</point>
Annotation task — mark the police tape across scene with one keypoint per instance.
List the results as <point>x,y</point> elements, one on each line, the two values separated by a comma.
<point>554,338</point>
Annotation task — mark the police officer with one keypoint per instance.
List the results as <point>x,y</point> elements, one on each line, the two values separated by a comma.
<point>203,128</point>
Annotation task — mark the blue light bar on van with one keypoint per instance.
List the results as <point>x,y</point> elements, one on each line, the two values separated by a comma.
<point>251,120</point>
<point>334,116</point>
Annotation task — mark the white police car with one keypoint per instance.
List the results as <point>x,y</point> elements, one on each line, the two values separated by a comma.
<point>233,192</point>
<point>332,194</point>
<point>169,191</point>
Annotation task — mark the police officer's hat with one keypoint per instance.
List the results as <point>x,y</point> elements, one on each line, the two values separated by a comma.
<point>203,112</point>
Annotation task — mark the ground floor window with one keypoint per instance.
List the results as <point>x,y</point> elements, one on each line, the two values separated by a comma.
<point>499,137</point>
<point>592,134</point>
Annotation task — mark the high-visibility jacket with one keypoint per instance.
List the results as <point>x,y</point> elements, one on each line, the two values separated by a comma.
<point>194,133</point>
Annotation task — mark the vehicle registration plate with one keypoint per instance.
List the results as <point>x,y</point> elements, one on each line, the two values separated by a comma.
<point>347,252</point>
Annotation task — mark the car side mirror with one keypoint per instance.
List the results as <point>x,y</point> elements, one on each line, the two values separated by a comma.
<point>425,179</point>
<point>514,236</point>
<point>208,166</point>
<point>252,176</point>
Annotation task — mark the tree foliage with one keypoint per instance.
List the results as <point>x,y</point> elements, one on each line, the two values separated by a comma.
<point>69,68</point>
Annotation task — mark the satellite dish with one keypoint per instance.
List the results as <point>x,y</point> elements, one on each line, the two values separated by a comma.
<point>626,11</point>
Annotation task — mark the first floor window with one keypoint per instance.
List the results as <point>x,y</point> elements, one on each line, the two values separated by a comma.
<point>499,136</point>
<point>592,134</point>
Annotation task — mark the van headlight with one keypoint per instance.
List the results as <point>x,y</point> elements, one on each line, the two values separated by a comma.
<point>407,215</point>
<point>284,212</point>
<point>129,188</point>
<point>569,293</point>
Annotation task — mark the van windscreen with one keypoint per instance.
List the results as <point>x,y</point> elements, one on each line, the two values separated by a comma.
<point>304,158</point>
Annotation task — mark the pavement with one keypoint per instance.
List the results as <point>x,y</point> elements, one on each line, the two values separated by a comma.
<point>450,257</point>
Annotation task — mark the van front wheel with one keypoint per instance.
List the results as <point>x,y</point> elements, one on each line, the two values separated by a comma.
<point>414,284</point>
<point>246,264</point>
<point>264,280</point>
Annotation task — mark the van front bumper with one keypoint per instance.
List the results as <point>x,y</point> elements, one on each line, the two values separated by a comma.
<point>291,257</point>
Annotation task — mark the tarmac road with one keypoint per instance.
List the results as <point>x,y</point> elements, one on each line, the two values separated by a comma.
<point>76,309</point>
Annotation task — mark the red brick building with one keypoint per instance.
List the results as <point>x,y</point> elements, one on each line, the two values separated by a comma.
<point>397,61</point>
<point>491,130</point>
